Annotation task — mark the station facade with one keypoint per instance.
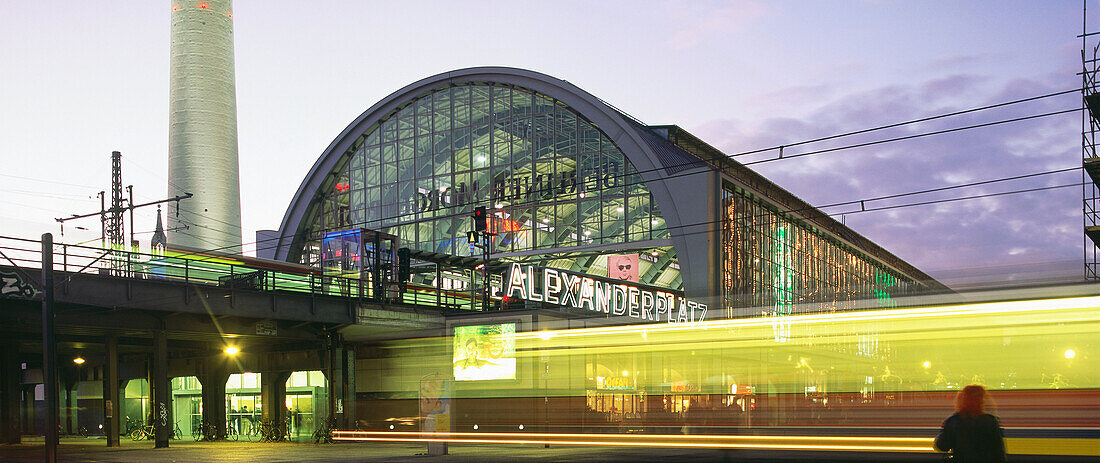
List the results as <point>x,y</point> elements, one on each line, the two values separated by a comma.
<point>585,202</point>
<point>575,185</point>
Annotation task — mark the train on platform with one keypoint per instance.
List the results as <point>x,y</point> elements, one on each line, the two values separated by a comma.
<point>867,381</point>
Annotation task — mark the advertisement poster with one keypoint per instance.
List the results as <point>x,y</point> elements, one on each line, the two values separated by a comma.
<point>435,404</point>
<point>484,352</point>
<point>623,267</point>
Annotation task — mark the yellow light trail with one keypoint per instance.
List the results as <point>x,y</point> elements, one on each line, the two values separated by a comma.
<point>919,444</point>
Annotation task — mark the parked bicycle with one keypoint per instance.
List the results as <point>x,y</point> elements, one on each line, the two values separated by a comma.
<point>144,432</point>
<point>323,433</point>
<point>273,431</point>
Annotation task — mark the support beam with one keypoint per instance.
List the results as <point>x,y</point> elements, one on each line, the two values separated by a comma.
<point>111,404</point>
<point>348,392</point>
<point>273,395</point>
<point>213,396</point>
<point>161,389</point>
<point>10,393</point>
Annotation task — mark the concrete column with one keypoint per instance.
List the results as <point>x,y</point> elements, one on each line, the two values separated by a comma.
<point>213,397</point>
<point>111,404</point>
<point>273,395</point>
<point>161,389</point>
<point>10,393</point>
<point>348,384</point>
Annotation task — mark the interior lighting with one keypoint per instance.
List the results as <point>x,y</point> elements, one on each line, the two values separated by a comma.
<point>475,427</point>
<point>204,5</point>
<point>481,158</point>
<point>1070,353</point>
<point>927,364</point>
<point>546,335</point>
<point>391,426</point>
<point>626,373</point>
<point>582,194</point>
<point>78,360</point>
<point>587,232</point>
<point>545,220</point>
<point>500,205</point>
<point>521,427</point>
<point>655,221</point>
<point>232,350</point>
<point>619,209</point>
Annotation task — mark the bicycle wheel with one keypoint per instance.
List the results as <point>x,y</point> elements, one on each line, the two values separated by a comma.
<point>137,434</point>
<point>83,432</point>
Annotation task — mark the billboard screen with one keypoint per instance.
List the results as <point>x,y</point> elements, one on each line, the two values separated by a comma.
<point>483,352</point>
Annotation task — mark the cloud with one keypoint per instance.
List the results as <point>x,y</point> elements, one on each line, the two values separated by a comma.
<point>1035,228</point>
<point>698,23</point>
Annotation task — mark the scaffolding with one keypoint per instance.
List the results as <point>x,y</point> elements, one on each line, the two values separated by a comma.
<point>1090,161</point>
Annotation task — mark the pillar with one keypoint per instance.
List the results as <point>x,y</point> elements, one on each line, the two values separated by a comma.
<point>161,390</point>
<point>347,382</point>
<point>112,406</point>
<point>273,395</point>
<point>10,394</point>
<point>213,396</point>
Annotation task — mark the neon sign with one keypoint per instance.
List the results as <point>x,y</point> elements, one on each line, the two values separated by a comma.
<point>583,292</point>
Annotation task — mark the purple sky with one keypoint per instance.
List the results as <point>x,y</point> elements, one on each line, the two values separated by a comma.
<point>84,78</point>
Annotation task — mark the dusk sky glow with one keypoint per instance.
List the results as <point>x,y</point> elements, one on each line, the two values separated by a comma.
<point>84,78</point>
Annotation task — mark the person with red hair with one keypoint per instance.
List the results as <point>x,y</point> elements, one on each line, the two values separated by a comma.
<point>971,434</point>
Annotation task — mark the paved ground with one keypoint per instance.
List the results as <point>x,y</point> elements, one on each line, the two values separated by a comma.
<point>95,450</point>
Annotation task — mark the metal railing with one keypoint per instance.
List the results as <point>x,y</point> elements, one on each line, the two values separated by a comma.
<point>222,270</point>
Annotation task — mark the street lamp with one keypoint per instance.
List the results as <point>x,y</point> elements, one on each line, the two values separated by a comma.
<point>232,350</point>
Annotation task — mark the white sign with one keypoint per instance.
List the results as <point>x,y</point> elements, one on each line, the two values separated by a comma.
<point>586,293</point>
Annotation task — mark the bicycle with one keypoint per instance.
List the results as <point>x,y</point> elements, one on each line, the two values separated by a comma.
<point>273,431</point>
<point>177,433</point>
<point>147,431</point>
<point>323,433</point>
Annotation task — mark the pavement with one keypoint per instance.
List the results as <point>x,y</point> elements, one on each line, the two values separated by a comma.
<point>92,449</point>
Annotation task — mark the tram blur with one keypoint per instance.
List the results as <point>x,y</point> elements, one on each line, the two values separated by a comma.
<point>875,379</point>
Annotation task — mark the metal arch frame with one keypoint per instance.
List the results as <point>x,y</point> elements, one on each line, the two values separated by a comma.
<point>606,119</point>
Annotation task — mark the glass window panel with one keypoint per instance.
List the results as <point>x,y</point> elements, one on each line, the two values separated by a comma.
<point>461,138</point>
<point>372,156</point>
<point>374,138</point>
<point>424,116</point>
<point>372,173</point>
<point>424,166</point>
<point>406,124</point>
<point>462,115</point>
<point>372,197</point>
<point>357,177</point>
<point>405,170</point>
<point>389,194</point>
<point>389,153</point>
<point>389,173</point>
<point>481,135</point>
<point>443,162</point>
<point>389,129</point>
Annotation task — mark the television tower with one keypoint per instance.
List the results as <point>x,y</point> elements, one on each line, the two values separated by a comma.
<point>202,133</point>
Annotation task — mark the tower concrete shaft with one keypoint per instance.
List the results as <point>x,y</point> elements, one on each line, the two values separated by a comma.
<point>202,134</point>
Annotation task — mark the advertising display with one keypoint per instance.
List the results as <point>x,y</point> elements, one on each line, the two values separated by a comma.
<point>484,352</point>
<point>623,267</point>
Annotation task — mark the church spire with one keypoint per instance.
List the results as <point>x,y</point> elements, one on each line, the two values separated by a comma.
<point>159,243</point>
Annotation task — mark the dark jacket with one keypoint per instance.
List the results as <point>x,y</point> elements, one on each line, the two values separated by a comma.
<point>973,440</point>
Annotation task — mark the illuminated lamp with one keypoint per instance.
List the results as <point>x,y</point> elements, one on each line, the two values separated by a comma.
<point>232,350</point>
<point>204,5</point>
<point>78,360</point>
<point>1070,353</point>
<point>342,187</point>
<point>927,364</point>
